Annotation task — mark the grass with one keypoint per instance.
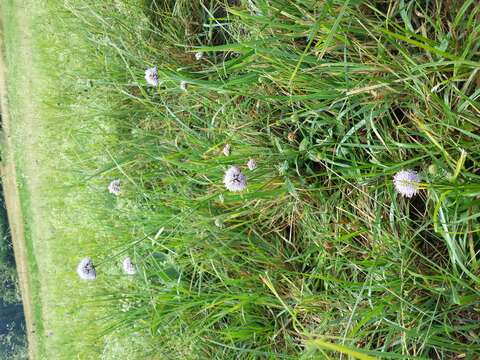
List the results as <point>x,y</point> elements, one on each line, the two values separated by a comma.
<point>52,244</point>
<point>319,257</point>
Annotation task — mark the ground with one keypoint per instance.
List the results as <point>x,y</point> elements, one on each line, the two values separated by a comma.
<point>45,287</point>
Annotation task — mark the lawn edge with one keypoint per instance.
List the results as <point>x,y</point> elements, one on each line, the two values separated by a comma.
<point>13,204</point>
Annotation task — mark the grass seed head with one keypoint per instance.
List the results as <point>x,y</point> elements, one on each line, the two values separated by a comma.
<point>86,269</point>
<point>234,179</point>
<point>151,76</point>
<point>407,182</point>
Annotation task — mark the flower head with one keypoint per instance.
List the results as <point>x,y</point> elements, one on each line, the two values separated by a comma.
<point>86,269</point>
<point>407,182</point>
<point>199,55</point>
<point>151,76</point>
<point>114,187</point>
<point>128,267</point>
<point>226,149</point>
<point>251,164</point>
<point>234,179</point>
<point>183,86</point>
<point>219,223</point>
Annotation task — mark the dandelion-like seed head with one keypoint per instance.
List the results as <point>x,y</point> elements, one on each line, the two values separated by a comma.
<point>199,55</point>
<point>251,164</point>
<point>407,182</point>
<point>151,76</point>
<point>234,179</point>
<point>183,86</point>
<point>128,266</point>
<point>226,149</point>
<point>86,269</point>
<point>114,187</point>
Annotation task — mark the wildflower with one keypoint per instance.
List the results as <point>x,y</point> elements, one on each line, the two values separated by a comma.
<point>234,179</point>
<point>183,86</point>
<point>199,55</point>
<point>407,182</point>
<point>226,149</point>
<point>128,267</point>
<point>251,164</point>
<point>114,187</point>
<point>86,269</point>
<point>151,76</point>
<point>218,223</point>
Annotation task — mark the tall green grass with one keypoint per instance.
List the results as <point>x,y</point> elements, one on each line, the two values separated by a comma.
<point>319,256</point>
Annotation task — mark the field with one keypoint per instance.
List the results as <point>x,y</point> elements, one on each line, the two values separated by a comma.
<point>319,257</point>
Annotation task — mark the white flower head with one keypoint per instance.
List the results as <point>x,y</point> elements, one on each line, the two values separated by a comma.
<point>128,266</point>
<point>86,269</point>
<point>407,182</point>
<point>183,86</point>
<point>234,179</point>
<point>218,223</point>
<point>151,76</point>
<point>251,164</point>
<point>114,187</point>
<point>198,55</point>
<point>226,150</point>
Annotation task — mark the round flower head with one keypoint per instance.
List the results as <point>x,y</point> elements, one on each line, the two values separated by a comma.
<point>251,164</point>
<point>128,267</point>
<point>183,86</point>
<point>407,182</point>
<point>219,223</point>
<point>226,150</point>
<point>151,76</point>
<point>114,187</point>
<point>198,55</point>
<point>234,179</point>
<point>86,270</point>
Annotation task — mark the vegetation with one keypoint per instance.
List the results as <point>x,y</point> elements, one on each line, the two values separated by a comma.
<point>8,277</point>
<point>319,255</point>
<point>12,322</point>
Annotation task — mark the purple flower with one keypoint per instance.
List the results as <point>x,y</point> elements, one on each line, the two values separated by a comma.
<point>234,179</point>
<point>251,164</point>
<point>407,182</point>
<point>151,76</point>
<point>86,269</point>
<point>128,267</point>
<point>114,187</point>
